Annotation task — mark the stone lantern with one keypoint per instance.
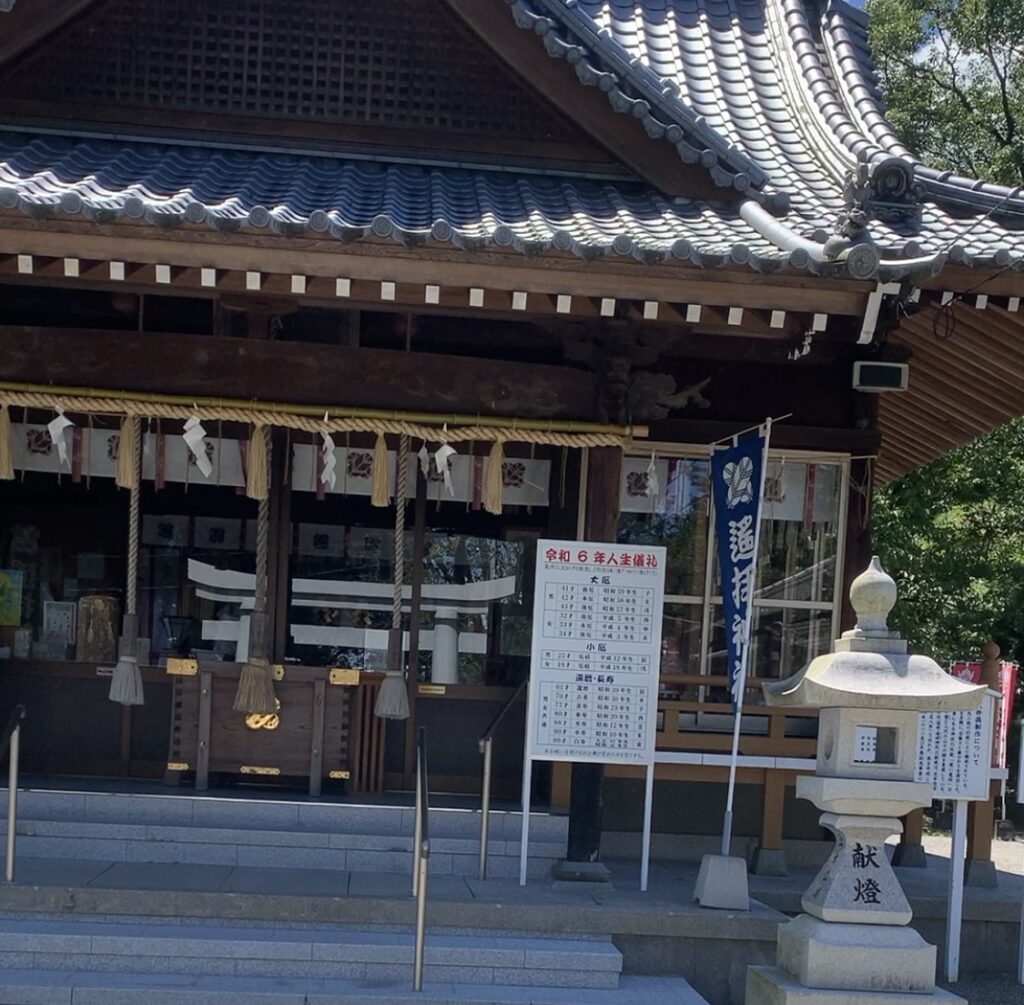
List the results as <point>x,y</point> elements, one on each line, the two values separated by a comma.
<point>852,938</point>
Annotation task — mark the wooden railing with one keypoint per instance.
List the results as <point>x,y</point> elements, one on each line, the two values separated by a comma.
<point>706,726</point>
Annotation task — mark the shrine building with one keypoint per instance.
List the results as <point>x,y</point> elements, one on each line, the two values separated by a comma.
<point>383,294</point>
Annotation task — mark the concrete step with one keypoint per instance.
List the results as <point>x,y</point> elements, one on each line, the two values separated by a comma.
<point>215,950</point>
<point>21,987</point>
<point>187,810</point>
<point>200,830</point>
<point>272,849</point>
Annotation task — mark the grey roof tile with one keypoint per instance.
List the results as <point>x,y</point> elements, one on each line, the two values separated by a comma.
<point>739,86</point>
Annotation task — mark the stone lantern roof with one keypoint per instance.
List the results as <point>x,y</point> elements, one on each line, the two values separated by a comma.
<point>870,667</point>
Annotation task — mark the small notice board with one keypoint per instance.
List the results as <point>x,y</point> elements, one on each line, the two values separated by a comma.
<point>954,751</point>
<point>596,658</point>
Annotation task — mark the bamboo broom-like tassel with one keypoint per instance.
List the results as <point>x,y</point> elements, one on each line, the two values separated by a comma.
<point>6,446</point>
<point>126,473</point>
<point>493,479</point>
<point>257,482</point>
<point>255,694</point>
<point>126,681</point>
<point>379,495</point>
<point>393,697</point>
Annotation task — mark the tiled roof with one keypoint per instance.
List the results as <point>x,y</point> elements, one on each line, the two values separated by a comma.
<point>354,199</point>
<point>779,107</point>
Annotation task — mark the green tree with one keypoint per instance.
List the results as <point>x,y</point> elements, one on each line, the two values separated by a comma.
<point>952,535</point>
<point>952,72</point>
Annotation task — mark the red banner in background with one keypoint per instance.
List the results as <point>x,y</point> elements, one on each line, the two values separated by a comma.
<point>1008,685</point>
<point>971,672</point>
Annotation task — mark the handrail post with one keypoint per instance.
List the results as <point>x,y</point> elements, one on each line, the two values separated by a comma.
<point>485,805</point>
<point>12,801</point>
<point>421,923</point>
<point>417,839</point>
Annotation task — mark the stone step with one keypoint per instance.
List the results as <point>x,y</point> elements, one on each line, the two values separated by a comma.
<point>217,812</point>
<point>342,852</point>
<point>312,954</point>
<point>21,987</point>
<point>210,830</point>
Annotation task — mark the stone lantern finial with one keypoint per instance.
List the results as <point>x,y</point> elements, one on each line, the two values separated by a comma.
<point>873,596</point>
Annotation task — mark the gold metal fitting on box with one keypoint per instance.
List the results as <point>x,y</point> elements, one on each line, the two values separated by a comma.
<point>344,676</point>
<point>178,667</point>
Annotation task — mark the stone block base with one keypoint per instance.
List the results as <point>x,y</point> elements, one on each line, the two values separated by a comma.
<point>770,986</point>
<point>981,872</point>
<point>768,862</point>
<point>581,872</point>
<point>909,856</point>
<point>722,883</point>
<point>854,957</point>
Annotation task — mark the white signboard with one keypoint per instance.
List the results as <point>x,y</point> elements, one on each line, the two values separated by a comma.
<point>954,752</point>
<point>596,652</point>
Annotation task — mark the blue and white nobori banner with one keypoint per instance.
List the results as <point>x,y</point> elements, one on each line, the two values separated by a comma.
<point>736,484</point>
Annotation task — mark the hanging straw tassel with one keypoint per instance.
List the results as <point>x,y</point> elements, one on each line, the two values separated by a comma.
<point>257,482</point>
<point>379,495</point>
<point>127,472</point>
<point>393,697</point>
<point>6,447</point>
<point>493,479</point>
<point>126,681</point>
<point>255,694</point>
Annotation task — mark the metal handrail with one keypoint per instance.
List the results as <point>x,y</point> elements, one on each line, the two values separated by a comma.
<point>486,748</point>
<point>421,855</point>
<point>11,737</point>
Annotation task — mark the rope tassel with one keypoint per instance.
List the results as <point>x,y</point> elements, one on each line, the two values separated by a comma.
<point>126,681</point>
<point>393,697</point>
<point>6,446</point>
<point>493,479</point>
<point>257,483</point>
<point>127,472</point>
<point>379,495</point>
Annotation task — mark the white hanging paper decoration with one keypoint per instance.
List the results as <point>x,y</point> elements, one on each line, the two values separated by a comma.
<point>424,455</point>
<point>653,489</point>
<point>56,428</point>
<point>195,439</point>
<point>329,474</point>
<point>442,460</point>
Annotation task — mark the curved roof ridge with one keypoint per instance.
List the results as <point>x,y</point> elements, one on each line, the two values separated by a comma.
<point>845,36</point>
<point>570,33</point>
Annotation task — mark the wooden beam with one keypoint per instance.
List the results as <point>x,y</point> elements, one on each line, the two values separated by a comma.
<point>218,366</point>
<point>493,269</point>
<point>784,435</point>
<point>32,22</point>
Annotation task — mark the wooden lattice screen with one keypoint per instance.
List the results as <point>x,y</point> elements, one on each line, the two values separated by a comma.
<point>403,63</point>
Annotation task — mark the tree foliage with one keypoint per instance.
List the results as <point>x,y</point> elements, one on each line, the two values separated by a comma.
<point>952,72</point>
<point>952,534</point>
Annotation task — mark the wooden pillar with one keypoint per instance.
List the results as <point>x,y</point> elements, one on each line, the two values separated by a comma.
<point>604,476</point>
<point>857,553</point>
<point>981,814</point>
<point>769,859</point>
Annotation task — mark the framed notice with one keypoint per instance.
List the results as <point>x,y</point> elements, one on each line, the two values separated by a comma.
<point>954,751</point>
<point>596,652</point>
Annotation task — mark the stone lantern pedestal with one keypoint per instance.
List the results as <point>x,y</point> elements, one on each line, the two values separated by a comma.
<point>852,944</point>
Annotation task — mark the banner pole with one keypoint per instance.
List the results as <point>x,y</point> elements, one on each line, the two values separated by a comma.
<point>742,680</point>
